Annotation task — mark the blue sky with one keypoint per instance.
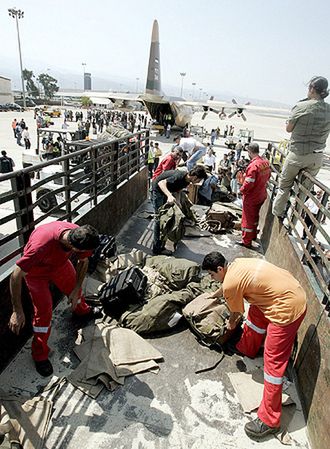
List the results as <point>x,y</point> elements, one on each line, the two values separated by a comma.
<point>250,48</point>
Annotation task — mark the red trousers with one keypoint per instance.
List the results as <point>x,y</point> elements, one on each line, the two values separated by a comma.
<point>65,279</point>
<point>278,346</point>
<point>250,219</point>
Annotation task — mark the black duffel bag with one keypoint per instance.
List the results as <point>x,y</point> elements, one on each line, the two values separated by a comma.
<point>106,249</point>
<point>125,289</point>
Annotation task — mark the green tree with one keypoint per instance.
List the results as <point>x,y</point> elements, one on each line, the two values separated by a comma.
<point>86,101</point>
<point>49,84</point>
<point>31,87</point>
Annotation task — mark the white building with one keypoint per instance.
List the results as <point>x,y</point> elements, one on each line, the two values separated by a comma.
<point>6,95</point>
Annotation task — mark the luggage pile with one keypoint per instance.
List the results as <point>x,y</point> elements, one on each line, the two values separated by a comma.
<point>160,293</point>
<point>220,218</point>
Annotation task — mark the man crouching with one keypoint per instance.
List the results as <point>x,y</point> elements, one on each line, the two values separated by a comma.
<point>277,308</point>
<point>46,259</point>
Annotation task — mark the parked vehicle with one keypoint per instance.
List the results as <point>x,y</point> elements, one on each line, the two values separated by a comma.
<point>29,103</point>
<point>11,107</point>
<point>52,113</point>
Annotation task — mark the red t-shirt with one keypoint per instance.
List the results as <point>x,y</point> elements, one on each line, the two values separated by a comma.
<point>168,163</point>
<point>44,252</point>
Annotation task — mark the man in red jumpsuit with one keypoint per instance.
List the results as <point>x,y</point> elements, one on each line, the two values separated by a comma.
<point>254,194</point>
<point>277,308</point>
<point>46,259</point>
<point>169,162</point>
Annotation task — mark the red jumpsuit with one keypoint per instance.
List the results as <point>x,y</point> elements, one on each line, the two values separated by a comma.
<point>45,260</point>
<point>254,194</point>
<point>277,308</point>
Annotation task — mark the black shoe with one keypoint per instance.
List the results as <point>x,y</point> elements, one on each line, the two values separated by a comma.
<point>243,244</point>
<point>257,429</point>
<point>15,445</point>
<point>44,367</point>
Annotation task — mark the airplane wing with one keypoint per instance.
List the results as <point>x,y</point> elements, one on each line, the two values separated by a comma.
<point>222,108</point>
<point>113,96</point>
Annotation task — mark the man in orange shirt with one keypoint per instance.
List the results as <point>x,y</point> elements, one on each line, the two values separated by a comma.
<point>277,308</point>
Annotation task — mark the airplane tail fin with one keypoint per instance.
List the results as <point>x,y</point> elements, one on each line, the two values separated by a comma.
<point>153,77</point>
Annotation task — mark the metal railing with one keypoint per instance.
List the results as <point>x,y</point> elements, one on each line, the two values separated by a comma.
<point>310,231</point>
<point>63,188</point>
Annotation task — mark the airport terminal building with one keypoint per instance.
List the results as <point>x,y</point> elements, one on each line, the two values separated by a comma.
<point>6,95</point>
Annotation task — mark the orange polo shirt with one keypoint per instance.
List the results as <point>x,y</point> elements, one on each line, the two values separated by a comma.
<point>273,290</point>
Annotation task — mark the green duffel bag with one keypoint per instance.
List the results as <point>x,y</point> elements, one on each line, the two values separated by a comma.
<point>207,318</point>
<point>159,314</point>
<point>163,312</point>
<point>178,272</point>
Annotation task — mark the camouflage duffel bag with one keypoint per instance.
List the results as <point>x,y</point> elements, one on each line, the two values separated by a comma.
<point>177,272</point>
<point>207,318</point>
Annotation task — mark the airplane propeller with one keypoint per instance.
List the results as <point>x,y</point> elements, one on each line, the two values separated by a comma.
<point>222,114</point>
<point>207,110</point>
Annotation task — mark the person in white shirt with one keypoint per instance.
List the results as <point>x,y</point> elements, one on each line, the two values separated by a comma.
<point>194,149</point>
<point>209,160</point>
<point>26,138</point>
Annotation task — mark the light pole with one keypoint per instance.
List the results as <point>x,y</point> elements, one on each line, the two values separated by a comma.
<point>137,84</point>
<point>19,14</point>
<point>84,69</point>
<point>193,94</point>
<point>183,74</point>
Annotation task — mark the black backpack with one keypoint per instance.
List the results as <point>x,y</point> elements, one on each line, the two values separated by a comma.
<point>6,165</point>
<point>125,289</point>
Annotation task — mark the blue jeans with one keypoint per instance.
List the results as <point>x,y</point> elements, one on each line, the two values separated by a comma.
<point>194,158</point>
<point>158,199</point>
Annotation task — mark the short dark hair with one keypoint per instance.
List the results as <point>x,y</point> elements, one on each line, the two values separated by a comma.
<point>84,238</point>
<point>214,260</point>
<point>254,148</point>
<point>199,172</point>
<point>320,84</point>
<point>4,153</point>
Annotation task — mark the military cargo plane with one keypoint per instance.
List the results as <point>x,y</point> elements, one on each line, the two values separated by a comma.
<point>162,108</point>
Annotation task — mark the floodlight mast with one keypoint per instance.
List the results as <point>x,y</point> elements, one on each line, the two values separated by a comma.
<point>19,14</point>
<point>182,74</point>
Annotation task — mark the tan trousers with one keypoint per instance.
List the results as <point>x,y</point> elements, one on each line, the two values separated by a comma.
<point>293,165</point>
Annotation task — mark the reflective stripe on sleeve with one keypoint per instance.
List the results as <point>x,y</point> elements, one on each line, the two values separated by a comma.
<point>248,179</point>
<point>257,329</point>
<point>41,330</point>
<point>272,379</point>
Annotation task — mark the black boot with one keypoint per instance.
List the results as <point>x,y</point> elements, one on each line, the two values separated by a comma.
<point>44,367</point>
<point>257,429</point>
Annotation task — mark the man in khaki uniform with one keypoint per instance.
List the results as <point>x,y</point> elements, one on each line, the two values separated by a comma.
<point>309,124</point>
